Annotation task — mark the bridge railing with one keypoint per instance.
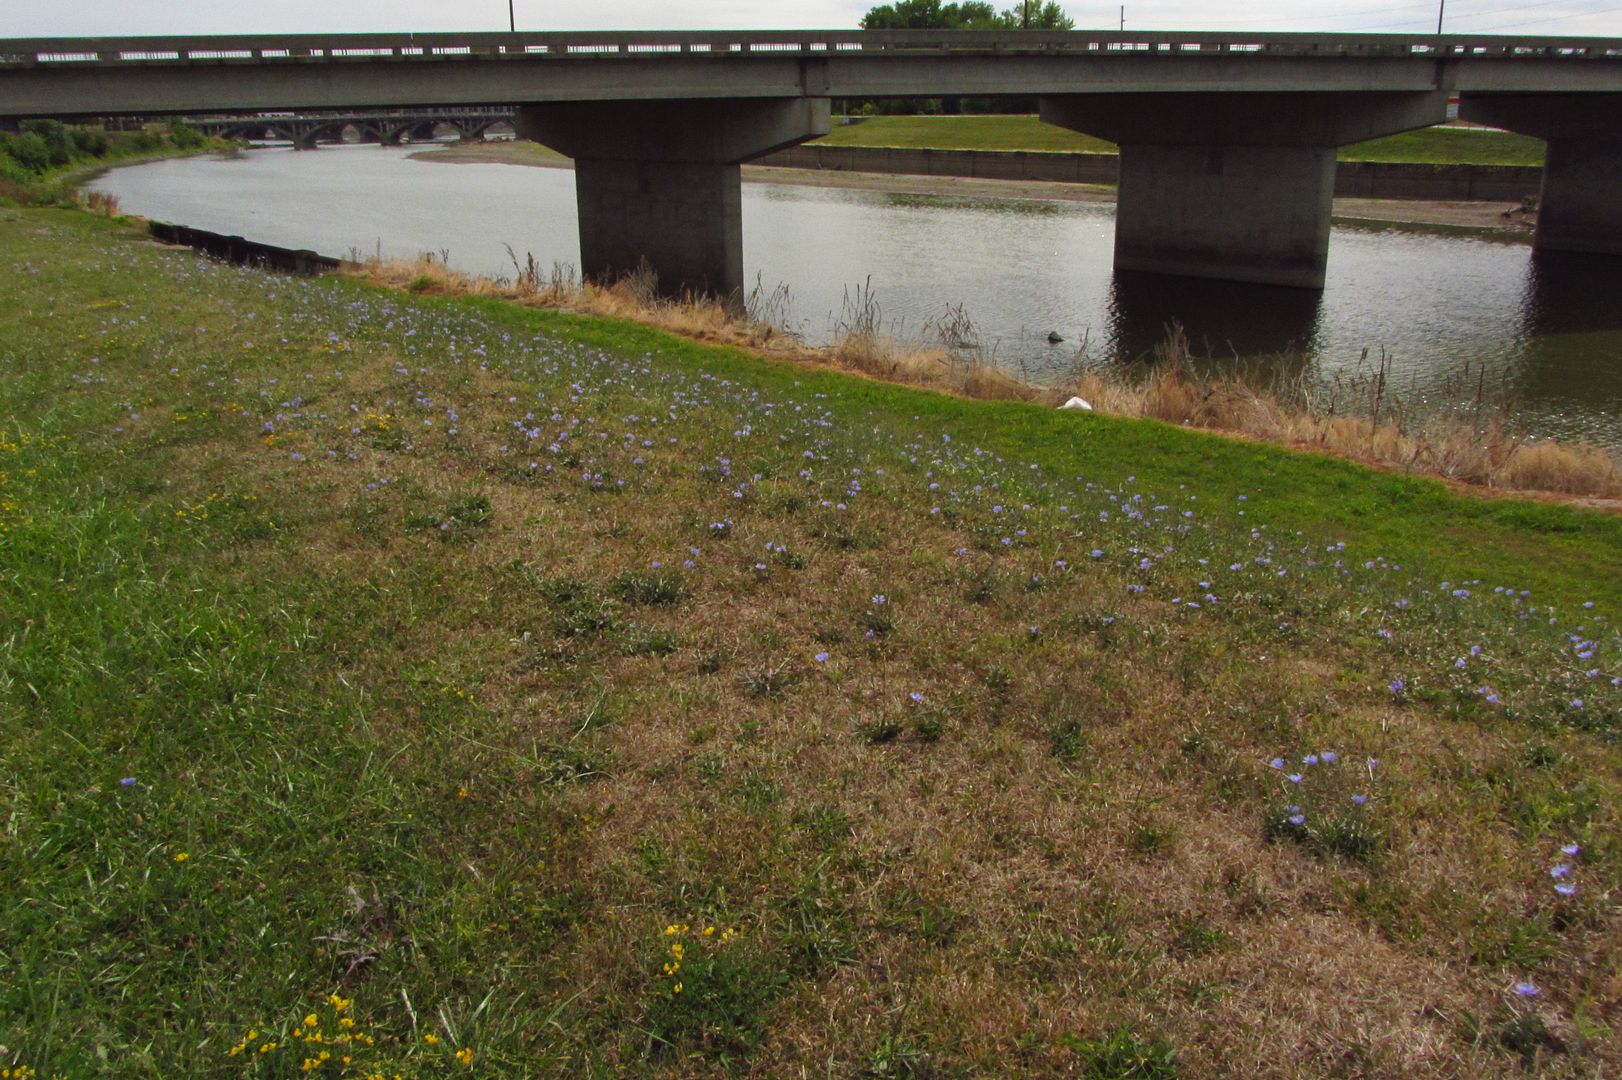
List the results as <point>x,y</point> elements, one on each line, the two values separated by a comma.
<point>581,46</point>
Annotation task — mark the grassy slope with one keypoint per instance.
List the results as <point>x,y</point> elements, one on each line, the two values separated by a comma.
<point>411,722</point>
<point>1434,145</point>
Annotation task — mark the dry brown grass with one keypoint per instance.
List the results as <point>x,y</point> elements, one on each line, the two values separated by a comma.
<point>98,202</point>
<point>1371,428</point>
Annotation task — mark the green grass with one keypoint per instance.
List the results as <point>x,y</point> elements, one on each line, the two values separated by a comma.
<point>426,757</point>
<point>964,133</point>
<point>1450,145</point>
<point>1438,145</point>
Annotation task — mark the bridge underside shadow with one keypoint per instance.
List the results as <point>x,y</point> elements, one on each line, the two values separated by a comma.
<point>1220,319</point>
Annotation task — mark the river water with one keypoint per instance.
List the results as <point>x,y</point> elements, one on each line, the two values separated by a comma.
<point>1458,314</point>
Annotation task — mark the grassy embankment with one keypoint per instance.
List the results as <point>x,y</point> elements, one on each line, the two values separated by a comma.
<point>417,681</point>
<point>1438,145</point>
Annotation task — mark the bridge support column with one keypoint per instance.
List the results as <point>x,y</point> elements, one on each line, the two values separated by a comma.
<point>1236,186</point>
<point>658,181</point>
<point>1580,208</point>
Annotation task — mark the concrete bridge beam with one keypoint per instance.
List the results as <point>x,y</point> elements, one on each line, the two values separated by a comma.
<point>1236,187</point>
<point>658,182</point>
<point>1580,208</point>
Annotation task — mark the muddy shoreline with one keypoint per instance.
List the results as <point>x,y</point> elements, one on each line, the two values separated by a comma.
<point>1503,219</point>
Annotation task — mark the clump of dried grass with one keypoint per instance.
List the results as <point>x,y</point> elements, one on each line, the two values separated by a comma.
<point>98,202</point>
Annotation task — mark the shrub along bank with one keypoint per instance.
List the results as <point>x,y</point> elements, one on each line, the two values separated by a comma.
<point>45,159</point>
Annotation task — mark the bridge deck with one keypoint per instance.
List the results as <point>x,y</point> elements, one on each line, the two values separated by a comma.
<point>106,76</point>
<point>585,45</point>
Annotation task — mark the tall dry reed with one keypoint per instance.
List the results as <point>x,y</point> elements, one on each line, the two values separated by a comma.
<point>1357,416</point>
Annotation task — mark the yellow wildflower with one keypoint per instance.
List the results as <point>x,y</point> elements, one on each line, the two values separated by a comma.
<point>465,1055</point>
<point>431,1039</point>
<point>181,856</point>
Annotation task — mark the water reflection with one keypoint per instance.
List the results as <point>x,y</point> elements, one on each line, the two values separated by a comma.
<point>1571,293</point>
<point>1220,318</point>
<point>1571,356</point>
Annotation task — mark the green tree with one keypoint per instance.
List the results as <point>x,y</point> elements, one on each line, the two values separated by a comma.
<point>1035,15</point>
<point>931,15</point>
<point>966,15</point>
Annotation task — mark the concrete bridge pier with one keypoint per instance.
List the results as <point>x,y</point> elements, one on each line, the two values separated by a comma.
<point>1234,186</point>
<point>659,180</point>
<point>1580,208</point>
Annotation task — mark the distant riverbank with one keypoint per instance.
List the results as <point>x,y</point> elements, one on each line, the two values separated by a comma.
<point>1501,217</point>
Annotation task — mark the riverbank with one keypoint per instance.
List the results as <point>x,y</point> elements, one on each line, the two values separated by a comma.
<point>1505,217</point>
<point>1484,454</point>
<point>60,185</point>
<point>466,689</point>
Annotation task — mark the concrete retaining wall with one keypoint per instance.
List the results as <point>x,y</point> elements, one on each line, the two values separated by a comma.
<point>1357,179</point>
<point>237,250</point>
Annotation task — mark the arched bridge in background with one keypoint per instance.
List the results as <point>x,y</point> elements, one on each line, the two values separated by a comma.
<point>1228,141</point>
<point>306,130</point>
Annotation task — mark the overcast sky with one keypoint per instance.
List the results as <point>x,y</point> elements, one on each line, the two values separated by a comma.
<point>42,18</point>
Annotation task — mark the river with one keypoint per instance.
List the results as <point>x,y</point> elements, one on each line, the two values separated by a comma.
<point>1458,314</point>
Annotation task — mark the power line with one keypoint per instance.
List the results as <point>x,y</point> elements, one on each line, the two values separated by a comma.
<point>1455,17</point>
<point>1551,18</point>
<point>1337,16</point>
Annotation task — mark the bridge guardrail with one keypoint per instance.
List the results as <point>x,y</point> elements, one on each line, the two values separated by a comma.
<point>627,46</point>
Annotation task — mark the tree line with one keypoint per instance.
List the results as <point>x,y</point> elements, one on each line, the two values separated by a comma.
<point>966,15</point>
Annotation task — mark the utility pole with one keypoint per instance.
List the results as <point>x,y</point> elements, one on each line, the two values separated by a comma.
<point>1123,18</point>
<point>1441,6</point>
<point>512,23</point>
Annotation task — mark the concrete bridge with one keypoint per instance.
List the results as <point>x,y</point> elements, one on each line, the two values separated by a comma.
<point>390,128</point>
<point>1227,140</point>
